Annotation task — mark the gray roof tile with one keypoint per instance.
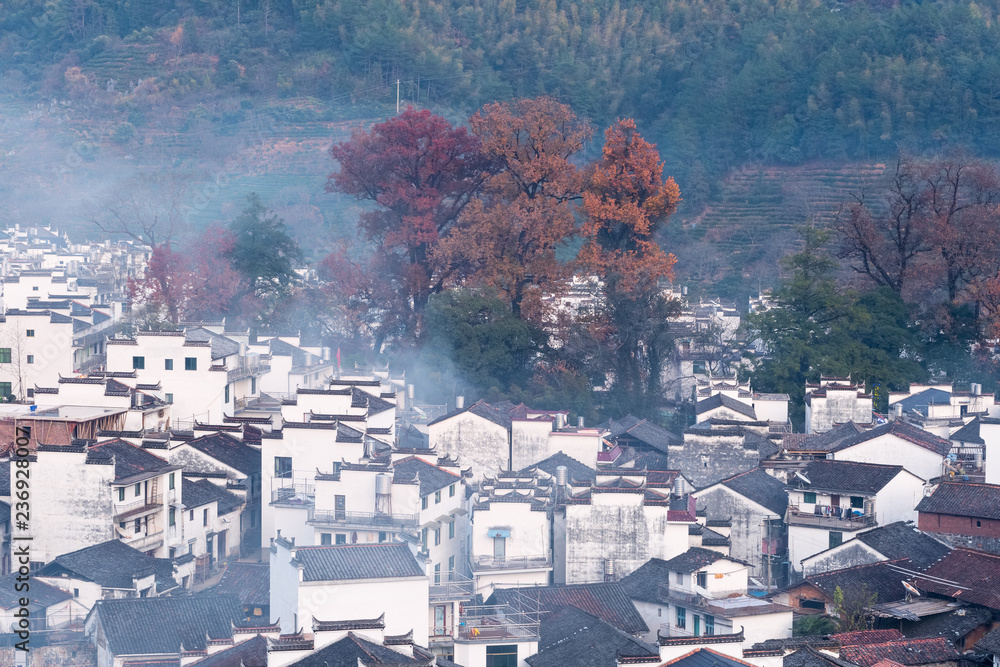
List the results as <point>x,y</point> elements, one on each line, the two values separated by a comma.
<point>357,561</point>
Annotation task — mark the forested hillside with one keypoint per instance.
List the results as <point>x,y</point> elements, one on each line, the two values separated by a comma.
<point>716,84</point>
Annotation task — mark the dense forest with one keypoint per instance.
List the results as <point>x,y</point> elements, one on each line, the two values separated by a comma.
<point>714,84</point>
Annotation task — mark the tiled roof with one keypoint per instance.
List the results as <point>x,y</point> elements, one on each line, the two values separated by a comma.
<point>695,558</point>
<point>250,582</point>
<point>903,540</point>
<point>432,478</point>
<point>905,652</point>
<point>705,657</point>
<point>607,601</point>
<point>571,636</point>
<point>357,561</point>
<point>354,650</point>
<point>849,476</point>
<point>375,405</point>
<point>977,574</point>
<point>968,433</point>
<point>250,653</point>
<point>129,459</point>
<point>724,401</point>
<point>761,488</point>
<point>646,432</point>
<point>963,499</point>
<point>866,637</point>
<point>807,656</point>
<point>954,626</point>
<point>39,593</point>
<point>900,429</point>
<point>822,442</point>
<point>204,492</point>
<point>990,643</point>
<point>862,581</point>
<point>111,564</point>
<point>921,402</point>
<point>229,451</point>
<point>498,413</point>
<point>160,625</point>
<point>576,470</point>
<point>644,583</point>
<point>221,346</point>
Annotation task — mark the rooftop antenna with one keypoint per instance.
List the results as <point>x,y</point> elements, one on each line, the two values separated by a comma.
<point>802,477</point>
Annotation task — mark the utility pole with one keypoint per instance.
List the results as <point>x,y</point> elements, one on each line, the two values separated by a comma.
<point>397,96</point>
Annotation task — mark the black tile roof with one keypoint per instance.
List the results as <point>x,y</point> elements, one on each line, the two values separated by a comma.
<point>498,413</point>
<point>375,405</point>
<point>111,564</point>
<point>204,492</point>
<point>650,434</point>
<point>822,442</point>
<point>250,653</point>
<point>695,558</point>
<point>807,656</point>
<point>723,401</point>
<point>705,657</point>
<point>571,636</point>
<point>40,593</point>
<point>963,499</point>
<point>953,626</point>
<point>250,582</point>
<point>761,488</point>
<point>129,459</point>
<point>900,429</point>
<point>990,643</point>
<point>903,540</point>
<point>161,625</point>
<point>357,561</point>
<point>228,451</point>
<point>354,650</point>
<point>576,470</point>
<point>873,578</point>
<point>968,433</point>
<point>432,478</point>
<point>607,601</point>
<point>849,476</point>
<point>644,583</point>
<point>221,346</point>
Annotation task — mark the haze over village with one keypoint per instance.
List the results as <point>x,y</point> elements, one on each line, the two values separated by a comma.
<point>499,334</point>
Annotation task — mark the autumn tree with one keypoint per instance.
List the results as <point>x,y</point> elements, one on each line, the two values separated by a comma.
<point>507,237</point>
<point>625,204</point>
<point>421,173</point>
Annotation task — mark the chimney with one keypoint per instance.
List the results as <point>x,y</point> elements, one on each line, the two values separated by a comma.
<point>409,392</point>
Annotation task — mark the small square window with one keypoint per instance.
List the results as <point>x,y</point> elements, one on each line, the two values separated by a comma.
<point>341,539</point>
<point>31,358</point>
<point>168,364</point>
<point>809,497</point>
<point>138,363</point>
<point>34,288</point>
<point>169,398</point>
<point>326,539</point>
<point>190,363</point>
<point>979,524</point>
<point>4,355</point>
<point>30,333</point>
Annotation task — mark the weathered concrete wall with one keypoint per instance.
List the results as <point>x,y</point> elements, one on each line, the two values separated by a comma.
<point>745,532</point>
<point>837,407</point>
<point>529,442</point>
<point>889,449</point>
<point>709,457</point>
<point>980,542</point>
<point>849,554</point>
<point>477,442</point>
<point>80,654</point>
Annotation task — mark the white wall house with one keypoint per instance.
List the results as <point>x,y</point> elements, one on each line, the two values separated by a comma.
<point>836,400</point>
<point>344,582</point>
<point>832,501</point>
<point>36,348</point>
<point>896,443</point>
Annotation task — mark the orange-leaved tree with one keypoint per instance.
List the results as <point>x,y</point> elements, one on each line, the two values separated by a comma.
<point>507,237</point>
<point>625,205</point>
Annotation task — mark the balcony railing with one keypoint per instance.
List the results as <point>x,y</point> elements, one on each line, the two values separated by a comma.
<point>439,632</point>
<point>825,516</point>
<point>140,506</point>
<point>493,623</point>
<point>512,563</point>
<point>294,495</point>
<point>341,517</point>
<point>143,542</point>
<point>93,362</point>
<point>451,586</point>
<point>247,370</point>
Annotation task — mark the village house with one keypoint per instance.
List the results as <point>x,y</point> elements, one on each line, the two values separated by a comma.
<point>836,400</point>
<point>714,451</point>
<point>36,348</point>
<point>939,409</point>
<point>49,607</point>
<point>892,541</point>
<point>144,409</point>
<point>210,518</point>
<point>963,514</point>
<point>829,501</point>
<point>251,583</point>
<point>864,585</point>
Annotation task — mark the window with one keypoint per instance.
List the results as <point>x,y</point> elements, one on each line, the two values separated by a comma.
<point>326,539</point>
<point>191,515</point>
<point>340,538</point>
<point>709,625</point>
<point>173,517</point>
<point>170,484</point>
<point>437,497</point>
<point>809,497</point>
<point>76,592</point>
<point>437,536</point>
<point>4,355</point>
<point>137,527</point>
<point>138,363</point>
<point>121,524</point>
<point>226,399</point>
<point>423,538</point>
<point>173,552</point>
<point>979,524</point>
<point>121,493</point>
<point>6,389</point>
<point>437,573</point>
<point>500,548</point>
<point>451,529</point>
<point>504,655</point>
<point>30,333</point>
<point>812,604</point>
<point>451,563</point>
<point>836,538</point>
<point>31,358</point>
<point>703,579</point>
<point>282,466</point>
<point>680,578</point>
<point>190,363</point>
<point>697,625</point>
<point>253,386</point>
<point>169,398</point>
<point>168,364</point>
<point>681,617</point>
<point>451,491</point>
<point>34,288</point>
<point>383,536</point>
<point>138,488</point>
<point>423,503</point>
<point>858,502</point>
